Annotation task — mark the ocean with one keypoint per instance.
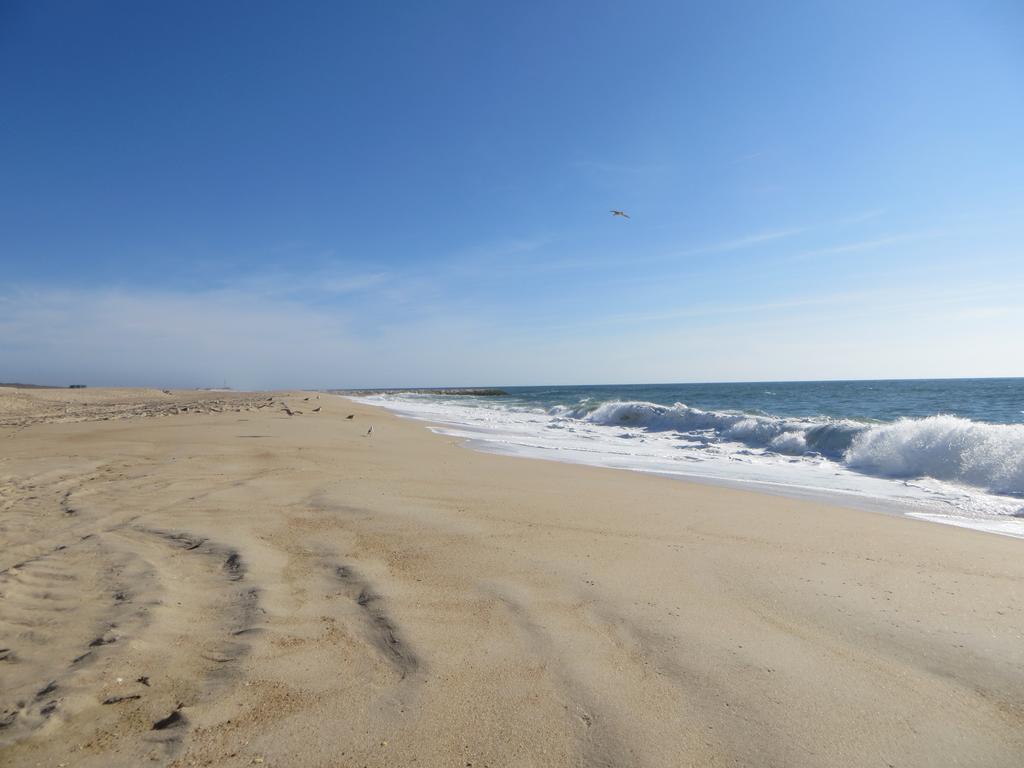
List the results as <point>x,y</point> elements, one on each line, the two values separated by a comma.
<point>945,450</point>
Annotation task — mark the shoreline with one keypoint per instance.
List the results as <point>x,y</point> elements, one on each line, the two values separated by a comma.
<point>837,498</point>
<point>879,494</point>
<point>309,595</point>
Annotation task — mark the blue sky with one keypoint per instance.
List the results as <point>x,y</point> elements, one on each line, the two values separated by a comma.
<point>390,194</point>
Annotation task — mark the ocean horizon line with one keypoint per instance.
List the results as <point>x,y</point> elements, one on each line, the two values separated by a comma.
<point>661,383</point>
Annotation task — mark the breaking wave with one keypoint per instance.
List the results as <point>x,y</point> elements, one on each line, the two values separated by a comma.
<point>989,456</point>
<point>949,448</point>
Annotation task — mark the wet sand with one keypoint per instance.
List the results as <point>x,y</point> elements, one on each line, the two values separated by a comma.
<point>201,579</point>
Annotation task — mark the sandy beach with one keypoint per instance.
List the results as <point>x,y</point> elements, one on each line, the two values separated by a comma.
<point>199,578</point>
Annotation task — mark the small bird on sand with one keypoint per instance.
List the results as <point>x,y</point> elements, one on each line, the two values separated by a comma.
<point>623,214</point>
<point>317,409</point>
<point>369,431</point>
<point>350,416</point>
<point>305,399</point>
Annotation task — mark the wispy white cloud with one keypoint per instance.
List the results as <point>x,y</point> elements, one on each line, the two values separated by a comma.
<point>867,245</point>
<point>987,313</point>
<point>492,261</point>
<point>747,241</point>
<point>346,284</point>
<point>500,250</point>
<point>252,339</point>
<point>699,311</point>
<point>256,340</point>
<point>759,238</point>
<point>298,280</point>
<point>975,300</point>
<point>859,218</point>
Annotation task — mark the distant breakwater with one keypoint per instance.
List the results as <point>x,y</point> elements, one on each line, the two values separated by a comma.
<point>466,391</point>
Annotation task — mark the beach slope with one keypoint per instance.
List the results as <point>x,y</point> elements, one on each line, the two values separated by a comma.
<point>203,579</point>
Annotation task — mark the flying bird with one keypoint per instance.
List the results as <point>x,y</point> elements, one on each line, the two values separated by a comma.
<point>623,214</point>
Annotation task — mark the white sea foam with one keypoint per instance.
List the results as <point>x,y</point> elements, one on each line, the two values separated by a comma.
<point>988,456</point>
<point>941,468</point>
<point>788,435</point>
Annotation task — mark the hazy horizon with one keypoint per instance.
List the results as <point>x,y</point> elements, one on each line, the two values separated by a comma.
<point>350,196</point>
<point>499,385</point>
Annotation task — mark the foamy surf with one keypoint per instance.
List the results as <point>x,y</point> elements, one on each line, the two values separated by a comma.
<point>941,468</point>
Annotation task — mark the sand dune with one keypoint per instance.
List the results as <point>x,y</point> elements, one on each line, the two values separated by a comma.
<point>202,579</point>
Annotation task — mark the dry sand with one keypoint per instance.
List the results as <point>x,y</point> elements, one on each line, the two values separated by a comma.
<point>285,591</point>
